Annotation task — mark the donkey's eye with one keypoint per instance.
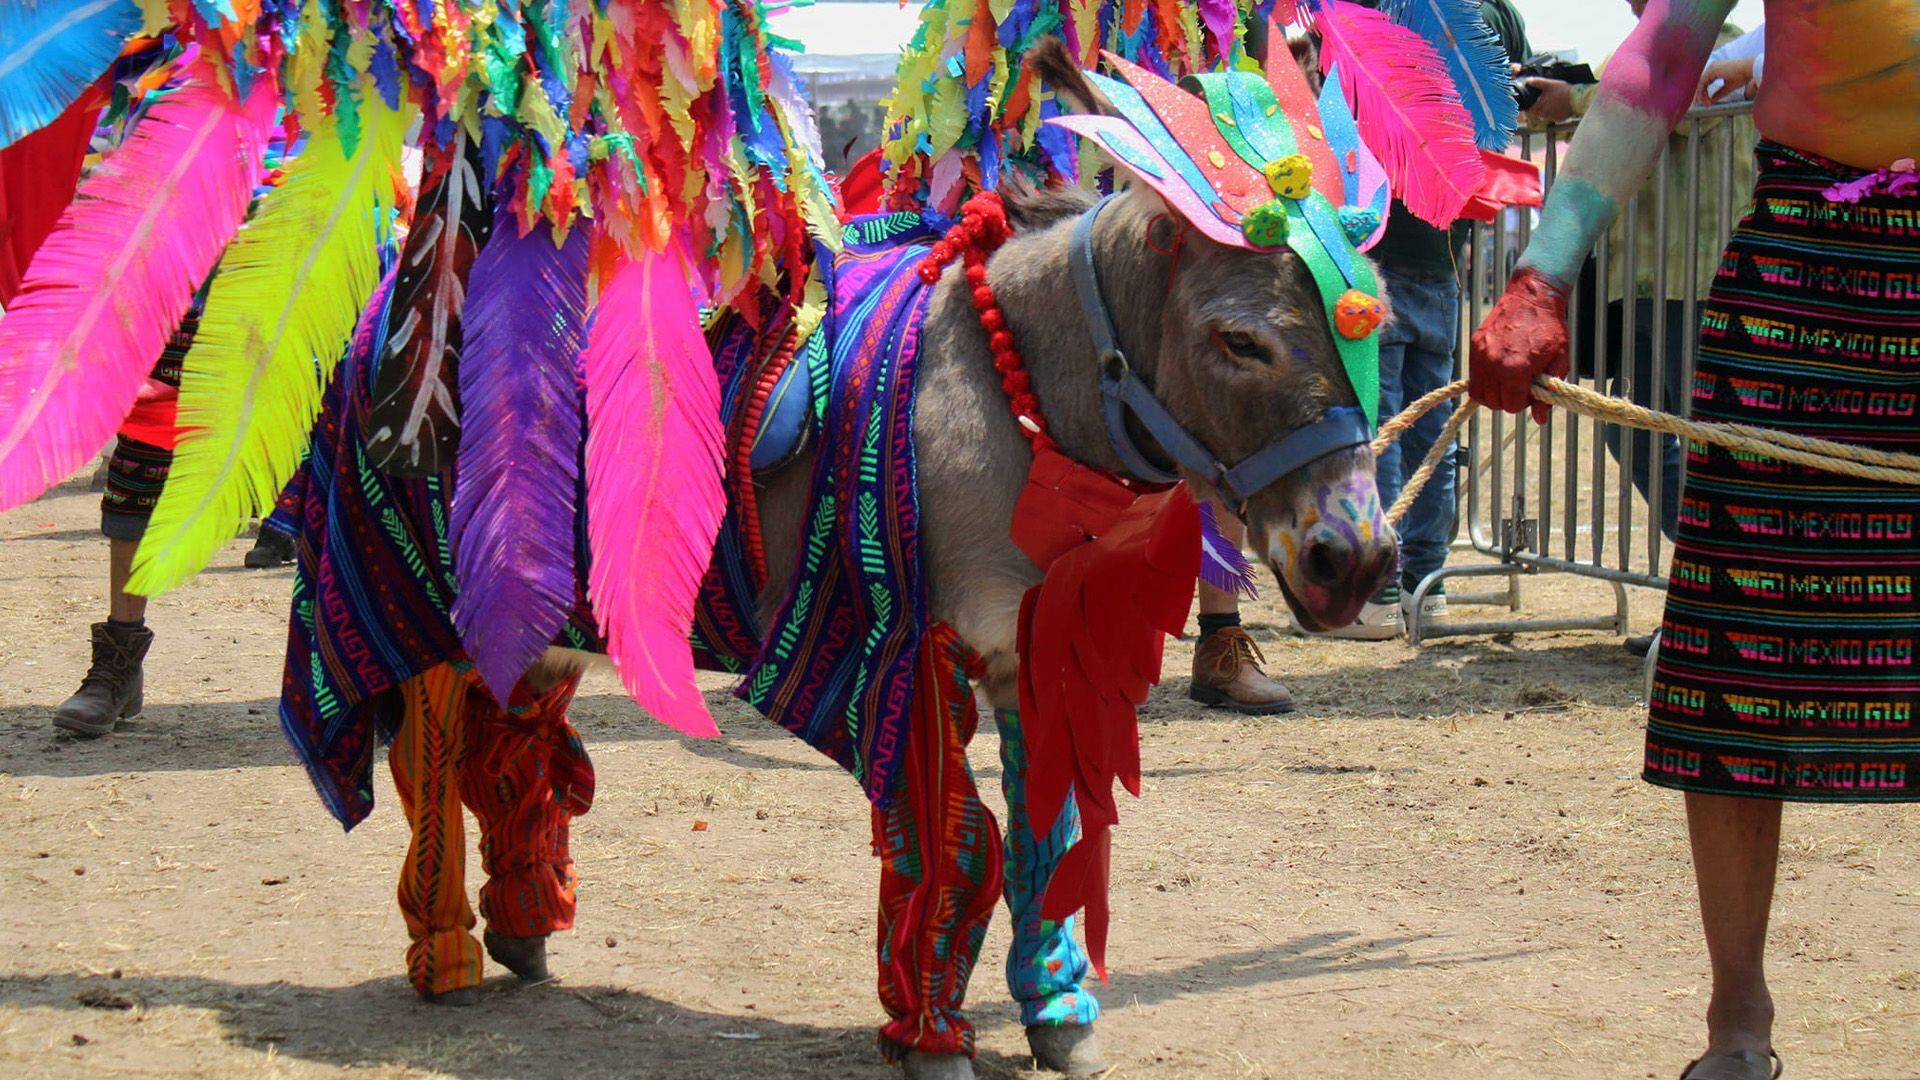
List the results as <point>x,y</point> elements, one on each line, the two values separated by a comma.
<point>1242,345</point>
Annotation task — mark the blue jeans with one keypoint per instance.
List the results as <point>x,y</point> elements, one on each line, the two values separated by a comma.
<point>1416,356</point>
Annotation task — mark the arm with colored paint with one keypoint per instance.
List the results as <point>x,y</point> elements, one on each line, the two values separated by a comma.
<point>1647,87</point>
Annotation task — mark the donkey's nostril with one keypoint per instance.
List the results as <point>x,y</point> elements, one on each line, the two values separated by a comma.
<point>1322,565</point>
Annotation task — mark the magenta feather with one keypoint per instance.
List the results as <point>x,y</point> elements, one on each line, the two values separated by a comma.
<point>117,274</point>
<point>654,499</point>
<point>518,472</point>
<point>1408,110</point>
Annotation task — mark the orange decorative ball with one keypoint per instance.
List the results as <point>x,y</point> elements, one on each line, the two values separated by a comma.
<point>1355,314</point>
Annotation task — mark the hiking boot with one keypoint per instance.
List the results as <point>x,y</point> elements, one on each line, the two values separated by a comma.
<point>1379,620</point>
<point>1226,674</point>
<point>524,956</point>
<point>270,549</point>
<point>111,690</point>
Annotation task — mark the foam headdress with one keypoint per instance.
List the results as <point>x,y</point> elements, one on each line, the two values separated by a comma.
<point>1264,166</point>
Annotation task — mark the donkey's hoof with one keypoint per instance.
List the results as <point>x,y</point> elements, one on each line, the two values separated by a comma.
<point>1067,1048</point>
<point>919,1066</point>
<point>465,995</point>
<point>524,956</point>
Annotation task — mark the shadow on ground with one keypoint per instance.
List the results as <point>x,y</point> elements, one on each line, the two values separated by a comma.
<point>558,1030</point>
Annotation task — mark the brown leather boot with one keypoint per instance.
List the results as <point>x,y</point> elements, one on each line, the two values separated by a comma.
<point>111,690</point>
<point>1226,674</point>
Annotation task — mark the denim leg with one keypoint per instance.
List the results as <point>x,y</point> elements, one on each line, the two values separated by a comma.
<point>1046,965</point>
<point>1426,313</point>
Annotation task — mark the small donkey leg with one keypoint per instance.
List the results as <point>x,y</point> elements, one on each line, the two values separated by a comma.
<point>1046,965</point>
<point>940,871</point>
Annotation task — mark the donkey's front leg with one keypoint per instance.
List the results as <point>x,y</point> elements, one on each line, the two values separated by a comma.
<point>1046,965</point>
<point>940,867</point>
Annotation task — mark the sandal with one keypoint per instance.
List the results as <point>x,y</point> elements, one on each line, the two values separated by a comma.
<point>1745,1065</point>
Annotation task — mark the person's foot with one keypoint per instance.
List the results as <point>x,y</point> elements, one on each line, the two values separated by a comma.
<point>459,997</point>
<point>1640,644</point>
<point>270,549</point>
<point>1379,620</point>
<point>111,689</point>
<point>1226,674</point>
<point>1433,606</point>
<point>524,956</point>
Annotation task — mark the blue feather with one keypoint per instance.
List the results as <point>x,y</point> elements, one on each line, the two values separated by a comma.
<point>50,51</point>
<point>1475,60</point>
<point>516,479</point>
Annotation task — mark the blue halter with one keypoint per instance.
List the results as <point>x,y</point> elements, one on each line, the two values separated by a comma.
<point>1124,392</point>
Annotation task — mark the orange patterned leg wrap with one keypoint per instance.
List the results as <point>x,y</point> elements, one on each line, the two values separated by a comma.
<point>525,776</point>
<point>433,893</point>
<point>940,864</point>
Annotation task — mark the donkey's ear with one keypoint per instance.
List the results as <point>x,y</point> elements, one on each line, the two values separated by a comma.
<point>1055,66</point>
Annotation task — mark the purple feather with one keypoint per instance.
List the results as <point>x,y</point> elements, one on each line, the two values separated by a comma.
<point>518,472</point>
<point>1222,565</point>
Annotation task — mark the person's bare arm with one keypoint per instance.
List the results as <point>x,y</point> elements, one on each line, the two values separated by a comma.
<point>1647,87</point>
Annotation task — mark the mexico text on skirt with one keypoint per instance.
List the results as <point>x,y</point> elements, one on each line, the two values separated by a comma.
<point>1786,665</point>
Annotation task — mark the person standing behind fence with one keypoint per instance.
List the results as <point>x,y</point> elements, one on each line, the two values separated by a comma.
<point>1650,369</point>
<point>1787,667</point>
<point>1422,282</point>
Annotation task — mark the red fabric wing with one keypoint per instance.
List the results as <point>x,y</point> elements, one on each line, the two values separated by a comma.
<point>1091,639</point>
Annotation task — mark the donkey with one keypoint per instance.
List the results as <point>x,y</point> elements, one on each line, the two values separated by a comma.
<point>1236,344</point>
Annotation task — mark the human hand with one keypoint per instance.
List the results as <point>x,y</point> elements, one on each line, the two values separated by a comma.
<point>1724,80</point>
<point>1524,336</point>
<point>1555,102</point>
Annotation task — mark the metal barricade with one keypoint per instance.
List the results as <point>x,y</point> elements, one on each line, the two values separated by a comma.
<point>1562,497</point>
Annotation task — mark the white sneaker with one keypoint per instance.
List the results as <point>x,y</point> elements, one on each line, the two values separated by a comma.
<point>1379,620</point>
<point>1433,607</point>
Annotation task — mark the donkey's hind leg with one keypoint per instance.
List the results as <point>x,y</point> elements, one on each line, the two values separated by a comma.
<point>1046,965</point>
<point>939,873</point>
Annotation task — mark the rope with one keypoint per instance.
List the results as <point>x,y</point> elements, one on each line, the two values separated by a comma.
<point>1846,459</point>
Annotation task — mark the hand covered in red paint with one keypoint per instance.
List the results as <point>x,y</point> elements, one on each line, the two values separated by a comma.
<point>1525,336</point>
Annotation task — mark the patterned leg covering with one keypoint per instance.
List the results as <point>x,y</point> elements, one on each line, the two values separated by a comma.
<point>1045,965</point>
<point>940,864</point>
<point>525,776</point>
<point>426,750</point>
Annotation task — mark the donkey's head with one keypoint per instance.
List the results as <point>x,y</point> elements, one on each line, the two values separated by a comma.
<point>1236,344</point>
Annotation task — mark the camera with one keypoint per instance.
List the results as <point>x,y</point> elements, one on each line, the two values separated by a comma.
<point>1547,66</point>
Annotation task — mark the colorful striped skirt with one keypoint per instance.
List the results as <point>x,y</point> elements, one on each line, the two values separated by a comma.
<point>1786,666</point>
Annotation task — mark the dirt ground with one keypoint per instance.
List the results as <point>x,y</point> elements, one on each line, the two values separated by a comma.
<point>1443,864</point>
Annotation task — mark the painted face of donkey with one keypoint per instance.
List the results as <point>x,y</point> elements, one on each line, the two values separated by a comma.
<point>1246,354</point>
<point>1246,358</point>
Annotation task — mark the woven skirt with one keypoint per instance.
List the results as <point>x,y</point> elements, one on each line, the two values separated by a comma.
<point>1786,666</point>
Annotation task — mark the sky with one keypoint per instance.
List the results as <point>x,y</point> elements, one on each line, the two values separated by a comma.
<point>1590,27</point>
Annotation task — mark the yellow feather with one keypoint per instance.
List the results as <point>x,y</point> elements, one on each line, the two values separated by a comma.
<point>283,305</point>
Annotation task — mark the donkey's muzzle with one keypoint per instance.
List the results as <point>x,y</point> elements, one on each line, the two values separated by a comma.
<point>1338,573</point>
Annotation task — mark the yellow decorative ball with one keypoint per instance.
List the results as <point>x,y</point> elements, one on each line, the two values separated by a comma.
<point>1291,177</point>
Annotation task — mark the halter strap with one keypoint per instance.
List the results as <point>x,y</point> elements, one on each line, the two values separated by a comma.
<point>1123,392</point>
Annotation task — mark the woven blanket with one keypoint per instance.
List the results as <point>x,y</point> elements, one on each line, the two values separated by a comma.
<point>836,666</point>
<point>373,586</point>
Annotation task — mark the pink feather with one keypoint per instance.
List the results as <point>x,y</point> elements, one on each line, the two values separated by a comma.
<point>117,274</point>
<point>1409,113</point>
<point>654,498</point>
